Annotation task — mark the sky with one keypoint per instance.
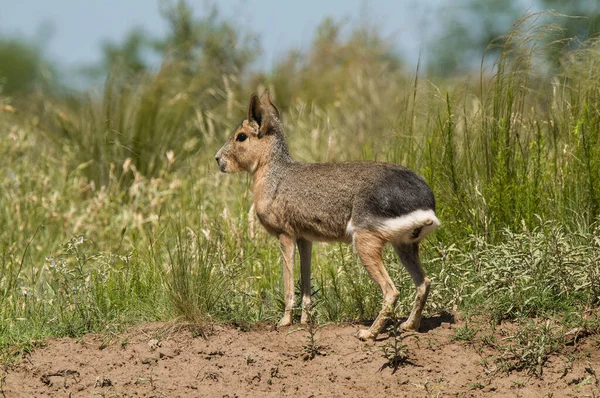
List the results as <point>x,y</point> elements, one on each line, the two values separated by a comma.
<point>71,31</point>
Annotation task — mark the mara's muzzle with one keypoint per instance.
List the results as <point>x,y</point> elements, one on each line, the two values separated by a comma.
<point>220,163</point>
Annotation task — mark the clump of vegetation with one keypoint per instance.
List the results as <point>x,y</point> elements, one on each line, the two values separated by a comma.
<point>530,347</point>
<point>312,348</point>
<point>394,351</point>
<point>465,333</point>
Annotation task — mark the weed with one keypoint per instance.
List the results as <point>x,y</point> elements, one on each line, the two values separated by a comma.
<point>589,369</point>
<point>312,348</point>
<point>198,331</point>
<point>430,344</point>
<point>13,353</point>
<point>465,333</point>
<point>530,347</point>
<point>395,352</point>
<point>489,340</point>
<point>476,386</point>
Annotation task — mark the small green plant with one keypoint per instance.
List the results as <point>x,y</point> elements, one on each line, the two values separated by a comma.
<point>489,340</point>
<point>589,369</point>
<point>312,348</point>
<point>465,333</point>
<point>530,347</point>
<point>395,352</point>
<point>476,386</point>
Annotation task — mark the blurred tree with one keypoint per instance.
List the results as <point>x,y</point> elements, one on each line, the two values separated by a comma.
<point>580,20</point>
<point>128,55</point>
<point>208,44</point>
<point>333,63</point>
<point>21,66</point>
<point>469,26</point>
<point>586,17</point>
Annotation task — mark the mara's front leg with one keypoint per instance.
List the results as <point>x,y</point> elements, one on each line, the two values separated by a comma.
<point>305,249</point>
<point>288,249</point>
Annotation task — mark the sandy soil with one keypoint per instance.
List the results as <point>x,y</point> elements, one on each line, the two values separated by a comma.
<point>165,360</point>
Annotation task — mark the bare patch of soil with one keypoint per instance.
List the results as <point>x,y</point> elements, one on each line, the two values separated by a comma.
<point>163,360</point>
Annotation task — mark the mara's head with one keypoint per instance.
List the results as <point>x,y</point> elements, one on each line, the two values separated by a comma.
<point>252,142</point>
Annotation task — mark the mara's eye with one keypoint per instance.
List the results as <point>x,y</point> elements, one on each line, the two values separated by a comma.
<point>241,137</point>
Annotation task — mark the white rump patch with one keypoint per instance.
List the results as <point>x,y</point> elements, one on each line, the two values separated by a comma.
<point>413,226</point>
<point>350,231</point>
<point>350,228</point>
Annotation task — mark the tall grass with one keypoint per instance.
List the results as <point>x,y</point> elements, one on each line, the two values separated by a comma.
<point>113,212</point>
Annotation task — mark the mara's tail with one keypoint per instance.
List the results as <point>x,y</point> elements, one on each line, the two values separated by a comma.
<point>412,227</point>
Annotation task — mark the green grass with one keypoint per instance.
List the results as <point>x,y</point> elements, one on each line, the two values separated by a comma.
<point>113,212</point>
<point>530,348</point>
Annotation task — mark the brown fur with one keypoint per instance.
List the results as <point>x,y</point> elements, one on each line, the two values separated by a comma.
<point>300,203</point>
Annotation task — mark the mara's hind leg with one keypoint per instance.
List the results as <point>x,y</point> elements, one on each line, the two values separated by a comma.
<point>369,248</point>
<point>305,249</point>
<point>409,255</point>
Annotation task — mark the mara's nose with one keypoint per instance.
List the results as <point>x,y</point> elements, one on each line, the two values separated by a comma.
<point>217,159</point>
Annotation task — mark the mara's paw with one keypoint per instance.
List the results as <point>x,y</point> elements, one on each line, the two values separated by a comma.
<point>285,321</point>
<point>304,319</point>
<point>412,326</point>
<point>365,334</point>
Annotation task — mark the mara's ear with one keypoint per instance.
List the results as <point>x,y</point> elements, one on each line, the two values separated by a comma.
<point>265,98</point>
<point>263,112</point>
<point>256,110</point>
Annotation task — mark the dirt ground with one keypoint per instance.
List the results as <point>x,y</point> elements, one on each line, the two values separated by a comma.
<point>166,360</point>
